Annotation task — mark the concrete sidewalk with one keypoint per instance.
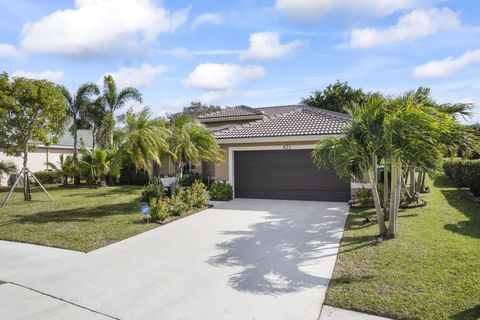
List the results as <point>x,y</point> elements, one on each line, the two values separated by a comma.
<point>332,313</point>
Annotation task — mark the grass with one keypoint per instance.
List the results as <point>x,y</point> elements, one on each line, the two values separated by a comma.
<point>431,271</point>
<point>80,219</point>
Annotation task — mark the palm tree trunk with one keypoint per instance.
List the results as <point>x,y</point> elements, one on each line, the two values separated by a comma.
<point>394,198</point>
<point>94,138</point>
<point>386,189</point>
<point>412,182</point>
<point>376,199</point>
<point>391,217</point>
<point>76,178</point>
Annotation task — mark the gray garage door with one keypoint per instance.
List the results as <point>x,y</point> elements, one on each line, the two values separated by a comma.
<point>280,174</point>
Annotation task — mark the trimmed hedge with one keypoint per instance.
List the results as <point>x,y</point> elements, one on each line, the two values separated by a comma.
<point>221,191</point>
<point>466,173</point>
<point>49,177</point>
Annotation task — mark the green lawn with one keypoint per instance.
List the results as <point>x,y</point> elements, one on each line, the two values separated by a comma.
<point>79,219</point>
<point>431,271</point>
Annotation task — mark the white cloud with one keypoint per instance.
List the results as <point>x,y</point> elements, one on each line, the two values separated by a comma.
<point>51,75</point>
<point>217,96</point>
<point>447,66</point>
<point>136,77</point>
<point>266,45</point>
<point>185,53</point>
<point>213,76</point>
<point>97,26</point>
<point>9,51</point>
<point>312,9</point>
<point>207,18</point>
<point>416,24</point>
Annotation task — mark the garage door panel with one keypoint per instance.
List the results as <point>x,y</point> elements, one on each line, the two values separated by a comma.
<point>280,174</point>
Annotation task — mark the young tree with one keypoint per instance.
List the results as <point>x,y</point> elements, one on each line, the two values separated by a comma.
<point>143,140</point>
<point>190,142</point>
<point>31,112</point>
<point>114,100</point>
<point>335,97</point>
<point>76,105</point>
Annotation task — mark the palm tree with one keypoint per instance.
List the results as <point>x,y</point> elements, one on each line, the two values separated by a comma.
<point>191,142</point>
<point>67,167</point>
<point>114,100</point>
<point>357,153</point>
<point>144,140</point>
<point>99,164</point>
<point>76,103</point>
<point>93,118</point>
<point>7,167</point>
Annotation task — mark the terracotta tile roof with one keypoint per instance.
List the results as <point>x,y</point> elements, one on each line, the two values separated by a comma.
<point>271,111</point>
<point>238,111</point>
<point>296,121</point>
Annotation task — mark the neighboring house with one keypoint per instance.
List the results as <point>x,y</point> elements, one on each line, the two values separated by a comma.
<point>268,152</point>
<point>37,159</point>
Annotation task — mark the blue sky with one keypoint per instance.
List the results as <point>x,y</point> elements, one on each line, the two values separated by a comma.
<point>256,53</point>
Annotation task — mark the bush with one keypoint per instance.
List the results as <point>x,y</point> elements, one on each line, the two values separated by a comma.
<point>221,191</point>
<point>365,197</point>
<point>178,204</point>
<point>465,173</point>
<point>153,190</point>
<point>198,195</point>
<point>130,175</point>
<point>188,179</point>
<point>159,209</point>
<point>49,177</point>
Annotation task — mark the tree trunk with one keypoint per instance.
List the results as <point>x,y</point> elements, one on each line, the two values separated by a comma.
<point>421,184</point>
<point>412,182</point>
<point>376,199</point>
<point>386,189</point>
<point>26,182</point>
<point>76,178</point>
<point>392,223</point>
<point>94,139</point>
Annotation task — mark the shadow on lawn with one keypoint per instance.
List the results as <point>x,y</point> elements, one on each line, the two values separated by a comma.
<point>75,215</point>
<point>469,314</point>
<point>458,199</point>
<point>276,255</point>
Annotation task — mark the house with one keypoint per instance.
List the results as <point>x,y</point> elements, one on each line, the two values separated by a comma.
<point>268,152</point>
<point>37,159</point>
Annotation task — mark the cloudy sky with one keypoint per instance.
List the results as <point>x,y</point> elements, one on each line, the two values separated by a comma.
<point>257,53</point>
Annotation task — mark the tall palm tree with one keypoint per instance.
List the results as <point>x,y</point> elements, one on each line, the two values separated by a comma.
<point>114,100</point>
<point>76,103</point>
<point>357,153</point>
<point>144,140</point>
<point>191,142</point>
<point>93,118</point>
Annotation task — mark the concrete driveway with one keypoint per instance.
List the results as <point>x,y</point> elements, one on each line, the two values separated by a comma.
<point>245,259</point>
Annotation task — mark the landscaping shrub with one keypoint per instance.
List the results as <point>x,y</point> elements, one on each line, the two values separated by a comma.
<point>365,197</point>
<point>49,177</point>
<point>129,175</point>
<point>178,206</point>
<point>198,195</point>
<point>188,179</point>
<point>159,209</point>
<point>153,190</point>
<point>466,173</point>
<point>221,191</point>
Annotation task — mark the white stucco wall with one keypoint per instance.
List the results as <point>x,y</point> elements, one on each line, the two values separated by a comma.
<point>36,159</point>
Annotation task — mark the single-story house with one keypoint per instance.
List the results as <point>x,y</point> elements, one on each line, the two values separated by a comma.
<point>37,160</point>
<point>268,152</point>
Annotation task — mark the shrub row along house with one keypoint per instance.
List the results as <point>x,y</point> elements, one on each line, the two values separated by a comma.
<point>268,152</point>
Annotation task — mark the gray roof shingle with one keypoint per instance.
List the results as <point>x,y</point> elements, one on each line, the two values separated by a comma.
<point>293,121</point>
<point>238,111</point>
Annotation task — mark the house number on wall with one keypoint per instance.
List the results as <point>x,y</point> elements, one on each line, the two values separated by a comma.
<point>287,146</point>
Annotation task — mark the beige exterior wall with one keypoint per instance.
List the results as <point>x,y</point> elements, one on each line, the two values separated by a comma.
<point>36,159</point>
